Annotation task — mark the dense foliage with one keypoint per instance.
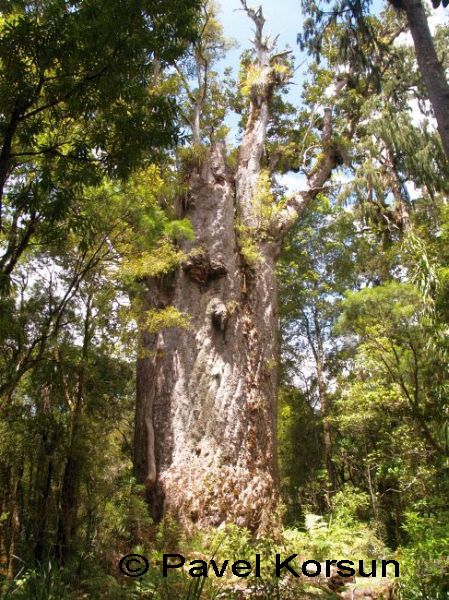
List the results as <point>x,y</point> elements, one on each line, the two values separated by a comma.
<point>93,98</point>
<point>365,330</point>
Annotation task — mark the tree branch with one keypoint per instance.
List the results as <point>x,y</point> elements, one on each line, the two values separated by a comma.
<point>321,172</point>
<point>266,80</point>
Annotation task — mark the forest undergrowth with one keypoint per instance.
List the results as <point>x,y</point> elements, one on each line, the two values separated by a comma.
<point>198,356</point>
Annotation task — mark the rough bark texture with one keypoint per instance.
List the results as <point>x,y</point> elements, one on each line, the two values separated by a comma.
<point>205,443</point>
<point>432,71</point>
<point>206,396</point>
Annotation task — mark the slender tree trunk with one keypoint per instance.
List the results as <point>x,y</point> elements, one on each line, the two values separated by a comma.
<point>431,69</point>
<point>42,479</point>
<point>15,523</point>
<point>327,433</point>
<point>3,525</point>
<point>43,492</point>
<point>315,340</point>
<point>72,473</point>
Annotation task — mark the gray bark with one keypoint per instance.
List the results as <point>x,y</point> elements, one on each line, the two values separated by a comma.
<point>207,395</point>
<point>431,69</point>
<point>205,443</point>
<point>317,346</point>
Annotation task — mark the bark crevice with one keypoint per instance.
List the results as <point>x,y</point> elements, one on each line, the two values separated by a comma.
<point>208,393</point>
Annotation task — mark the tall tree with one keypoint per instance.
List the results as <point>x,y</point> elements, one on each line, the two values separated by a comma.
<point>310,290</point>
<point>430,66</point>
<point>355,18</point>
<point>79,98</point>
<point>205,442</point>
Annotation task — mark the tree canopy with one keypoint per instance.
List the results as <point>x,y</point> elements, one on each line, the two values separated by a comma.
<point>196,356</point>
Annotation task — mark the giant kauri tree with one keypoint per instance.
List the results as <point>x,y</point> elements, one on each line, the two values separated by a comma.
<point>205,441</point>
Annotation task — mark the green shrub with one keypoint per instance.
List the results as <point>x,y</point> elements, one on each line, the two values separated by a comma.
<point>425,559</point>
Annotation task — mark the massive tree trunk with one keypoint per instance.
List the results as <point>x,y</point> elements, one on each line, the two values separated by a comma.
<point>209,391</point>
<point>205,440</point>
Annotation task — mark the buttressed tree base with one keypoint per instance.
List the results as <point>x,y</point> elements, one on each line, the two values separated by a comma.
<point>206,395</point>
